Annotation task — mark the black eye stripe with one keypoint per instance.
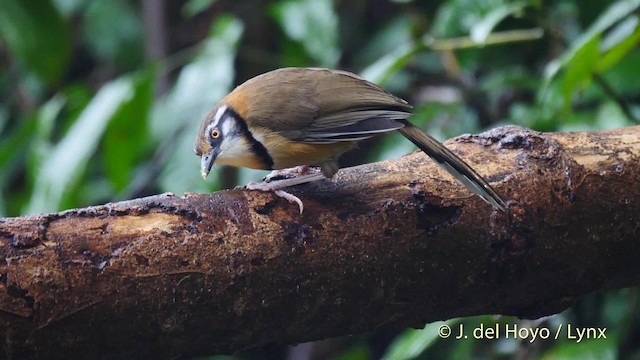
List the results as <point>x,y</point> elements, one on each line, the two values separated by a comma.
<point>256,146</point>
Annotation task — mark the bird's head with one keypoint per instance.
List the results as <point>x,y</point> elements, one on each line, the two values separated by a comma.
<point>218,132</point>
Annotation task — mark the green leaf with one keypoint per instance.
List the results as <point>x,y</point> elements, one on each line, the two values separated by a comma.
<point>626,39</point>
<point>37,36</point>
<point>126,137</point>
<point>313,23</point>
<point>458,17</point>
<point>397,32</point>
<point>481,30</point>
<point>412,342</point>
<point>580,72</point>
<point>200,85</point>
<point>69,7</point>
<point>13,148</point>
<point>113,33</point>
<point>384,68</point>
<point>619,33</point>
<point>359,352</point>
<point>195,7</point>
<point>624,75</point>
<point>610,116</point>
<point>45,123</point>
<point>600,349</point>
<point>61,169</point>
<point>615,12</point>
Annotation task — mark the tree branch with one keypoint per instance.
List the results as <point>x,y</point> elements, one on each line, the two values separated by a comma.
<point>390,244</point>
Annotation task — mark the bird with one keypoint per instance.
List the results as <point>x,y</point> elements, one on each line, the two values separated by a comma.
<point>289,119</point>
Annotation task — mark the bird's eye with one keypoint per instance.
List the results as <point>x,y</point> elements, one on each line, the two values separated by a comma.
<point>215,133</point>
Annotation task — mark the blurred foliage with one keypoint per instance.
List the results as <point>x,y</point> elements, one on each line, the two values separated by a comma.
<point>100,101</point>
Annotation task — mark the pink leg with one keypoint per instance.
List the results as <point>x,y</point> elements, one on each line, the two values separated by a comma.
<point>276,185</point>
<point>287,173</point>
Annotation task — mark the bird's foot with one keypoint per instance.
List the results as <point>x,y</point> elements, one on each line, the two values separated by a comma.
<point>263,186</point>
<point>290,173</point>
<point>270,185</point>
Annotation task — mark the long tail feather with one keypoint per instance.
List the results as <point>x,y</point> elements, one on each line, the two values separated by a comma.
<point>453,164</point>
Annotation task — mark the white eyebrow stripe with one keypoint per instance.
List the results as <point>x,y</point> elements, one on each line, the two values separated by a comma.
<point>218,116</point>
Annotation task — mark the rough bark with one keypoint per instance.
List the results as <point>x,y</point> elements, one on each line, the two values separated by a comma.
<point>391,244</point>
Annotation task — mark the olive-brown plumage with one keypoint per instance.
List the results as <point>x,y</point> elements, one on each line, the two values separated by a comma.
<point>306,116</point>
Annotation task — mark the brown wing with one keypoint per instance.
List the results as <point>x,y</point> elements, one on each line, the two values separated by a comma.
<point>321,105</point>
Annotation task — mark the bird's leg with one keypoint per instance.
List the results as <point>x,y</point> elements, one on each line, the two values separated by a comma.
<point>287,173</point>
<point>275,186</point>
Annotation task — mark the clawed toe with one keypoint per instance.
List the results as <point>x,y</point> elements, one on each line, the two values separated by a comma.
<point>293,176</point>
<point>272,187</point>
<point>291,198</point>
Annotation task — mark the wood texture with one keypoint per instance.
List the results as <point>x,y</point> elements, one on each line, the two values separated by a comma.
<point>390,244</point>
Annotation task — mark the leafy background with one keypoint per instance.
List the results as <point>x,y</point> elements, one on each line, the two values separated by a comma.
<point>100,101</point>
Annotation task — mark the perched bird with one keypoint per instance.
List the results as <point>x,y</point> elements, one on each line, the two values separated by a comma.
<point>295,117</point>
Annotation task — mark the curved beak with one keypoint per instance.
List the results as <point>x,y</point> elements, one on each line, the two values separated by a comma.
<point>207,160</point>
